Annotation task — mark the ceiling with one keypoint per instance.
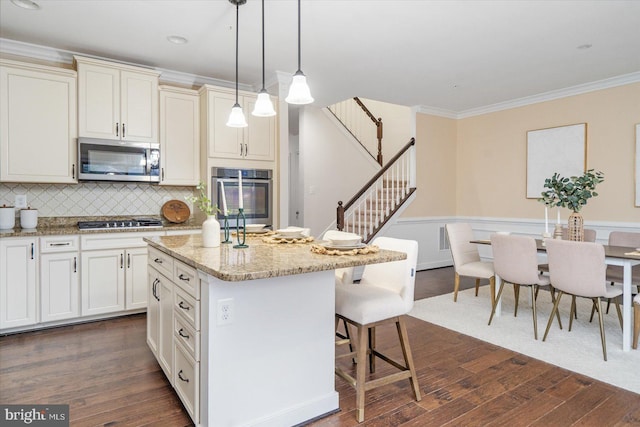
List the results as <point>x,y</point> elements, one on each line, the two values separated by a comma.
<point>453,56</point>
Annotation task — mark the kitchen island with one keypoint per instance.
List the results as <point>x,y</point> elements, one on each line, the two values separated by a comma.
<point>252,337</point>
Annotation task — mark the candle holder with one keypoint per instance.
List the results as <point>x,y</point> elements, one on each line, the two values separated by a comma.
<point>241,219</point>
<point>557,232</point>
<point>226,231</point>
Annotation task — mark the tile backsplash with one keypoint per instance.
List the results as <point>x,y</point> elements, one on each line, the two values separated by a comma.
<point>94,198</point>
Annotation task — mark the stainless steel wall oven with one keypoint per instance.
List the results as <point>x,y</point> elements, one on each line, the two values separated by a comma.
<point>257,192</point>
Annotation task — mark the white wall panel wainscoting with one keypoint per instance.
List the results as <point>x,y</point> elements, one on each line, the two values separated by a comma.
<point>433,246</point>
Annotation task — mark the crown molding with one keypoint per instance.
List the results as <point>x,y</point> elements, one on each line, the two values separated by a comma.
<point>622,80</point>
<point>61,56</point>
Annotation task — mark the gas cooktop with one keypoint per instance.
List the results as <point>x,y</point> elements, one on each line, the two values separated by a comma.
<point>126,223</point>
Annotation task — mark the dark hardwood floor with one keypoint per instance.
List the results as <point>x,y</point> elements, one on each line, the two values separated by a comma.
<point>108,376</point>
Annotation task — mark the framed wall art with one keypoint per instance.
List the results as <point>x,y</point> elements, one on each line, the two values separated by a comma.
<point>560,149</point>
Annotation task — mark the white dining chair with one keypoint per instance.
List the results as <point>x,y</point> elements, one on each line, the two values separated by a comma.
<point>578,269</point>
<point>515,260</point>
<point>384,295</point>
<point>466,259</point>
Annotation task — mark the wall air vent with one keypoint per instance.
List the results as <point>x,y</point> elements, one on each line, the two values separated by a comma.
<point>444,240</point>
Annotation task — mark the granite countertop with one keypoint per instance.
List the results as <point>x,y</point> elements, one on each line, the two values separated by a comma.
<point>260,260</point>
<point>56,226</point>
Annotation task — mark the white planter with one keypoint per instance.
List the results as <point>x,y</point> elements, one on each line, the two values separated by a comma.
<point>211,232</point>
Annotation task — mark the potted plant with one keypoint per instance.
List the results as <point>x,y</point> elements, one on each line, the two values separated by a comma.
<point>572,193</point>
<point>211,226</point>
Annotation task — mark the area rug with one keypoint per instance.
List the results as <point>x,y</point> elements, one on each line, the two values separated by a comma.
<point>578,351</point>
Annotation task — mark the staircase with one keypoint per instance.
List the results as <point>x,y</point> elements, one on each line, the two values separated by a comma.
<point>374,205</point>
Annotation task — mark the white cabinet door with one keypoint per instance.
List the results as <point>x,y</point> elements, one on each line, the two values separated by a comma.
<point>260,135</point>
<point>165,349</point>
<point>224,141</point>
<point>257,141</point>
<point>136,278</point>
<point>59,293</point>
<point>117,101</point>
<point>179,136</point>
<point>98,102</point>
<point>103,275</point>
<point>139,107</point>
<point>37,123</point>
<point>153,311</point>
<point>18,284</point>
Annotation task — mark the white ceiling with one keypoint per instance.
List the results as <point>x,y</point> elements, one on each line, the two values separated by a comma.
<point>453,56</point>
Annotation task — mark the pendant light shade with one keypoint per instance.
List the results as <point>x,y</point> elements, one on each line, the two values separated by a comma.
<point>264,106</point>
<point>236,117</point>
<point>299,92</point>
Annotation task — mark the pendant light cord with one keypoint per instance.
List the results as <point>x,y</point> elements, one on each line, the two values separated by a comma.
<point>237,22</point>
<point>263,45</point>
<point>299,68</point>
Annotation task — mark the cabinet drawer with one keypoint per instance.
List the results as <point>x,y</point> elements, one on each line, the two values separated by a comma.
<point>52,244</point>
<point>186,381</point>
<point>187,278</point>
<point>188,336</point>
<point>117,240</point>
<point>161,262</point>
<point>185,305</point>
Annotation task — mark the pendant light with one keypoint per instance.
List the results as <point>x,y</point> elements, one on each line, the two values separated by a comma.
<point>299,92</point>
<point>236,118</point>
<point>264,106</point>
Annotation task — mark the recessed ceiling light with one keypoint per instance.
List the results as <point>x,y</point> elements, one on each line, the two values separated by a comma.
<point>26,4</point>
<point>177,39</point>
<point>584,46</point>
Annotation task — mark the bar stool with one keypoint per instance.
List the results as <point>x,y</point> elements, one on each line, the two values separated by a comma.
<point>385,293</point>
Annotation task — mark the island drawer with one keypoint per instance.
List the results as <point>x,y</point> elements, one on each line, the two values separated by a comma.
<point>187,278</point>
<point>186,306</point>
<point>186,381</point>
<point>185,333</point>
<point>161,262</point>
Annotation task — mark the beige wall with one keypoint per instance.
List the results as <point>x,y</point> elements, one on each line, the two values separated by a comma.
<point>435,167</point>
<point>490,159</point>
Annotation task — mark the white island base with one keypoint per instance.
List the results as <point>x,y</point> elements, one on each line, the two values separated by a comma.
<point>272,362</point>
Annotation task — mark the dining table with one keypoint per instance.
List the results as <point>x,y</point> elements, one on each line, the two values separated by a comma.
<point>623,256</point>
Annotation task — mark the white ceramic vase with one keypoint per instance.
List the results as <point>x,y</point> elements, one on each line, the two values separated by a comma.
<point>211,232</point>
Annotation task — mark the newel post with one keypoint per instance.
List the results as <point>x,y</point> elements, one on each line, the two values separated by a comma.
<point>340,216</point>
<point>379,128</point>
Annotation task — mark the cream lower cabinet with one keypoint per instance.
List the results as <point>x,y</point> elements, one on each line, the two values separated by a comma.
<point>160,310</point>
<point>37,123</point>
<point>18,282</point>
<point>173,325</point>
<point>114,272</point>
<point>59,274</point>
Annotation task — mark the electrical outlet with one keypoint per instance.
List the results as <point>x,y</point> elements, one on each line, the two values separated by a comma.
<point>20,201</point>
<point>225,311</point>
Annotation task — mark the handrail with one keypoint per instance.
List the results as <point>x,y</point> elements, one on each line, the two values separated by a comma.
<point>381,172</point>
<point>378,123</point>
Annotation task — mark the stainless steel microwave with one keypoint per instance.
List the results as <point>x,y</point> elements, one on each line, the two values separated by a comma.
<point>108,160</point>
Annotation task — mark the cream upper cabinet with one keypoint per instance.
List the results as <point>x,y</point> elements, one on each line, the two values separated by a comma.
<point>37,123</point>
<point>255,142</point>
<point>117,101</point>
<point>179,136</point>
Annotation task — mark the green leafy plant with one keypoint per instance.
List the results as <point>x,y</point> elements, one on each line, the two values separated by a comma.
<point>573,192</point>
<point>203,202</point>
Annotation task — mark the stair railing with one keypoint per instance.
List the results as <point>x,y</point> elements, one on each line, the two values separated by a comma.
<point>356,118</point>
<point>379,198</point>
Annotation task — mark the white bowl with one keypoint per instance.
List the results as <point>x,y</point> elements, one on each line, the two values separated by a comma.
<point>252,228</point>
<point>290,232</point>
<point>344,239</point>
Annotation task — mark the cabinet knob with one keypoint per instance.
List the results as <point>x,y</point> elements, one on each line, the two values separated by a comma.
<point>186,380</point>
<point>182,306</point>
<point>183,277</point>
<point>181,333</point>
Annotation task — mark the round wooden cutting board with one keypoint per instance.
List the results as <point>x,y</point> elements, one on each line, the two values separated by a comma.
<point>176,211</point>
